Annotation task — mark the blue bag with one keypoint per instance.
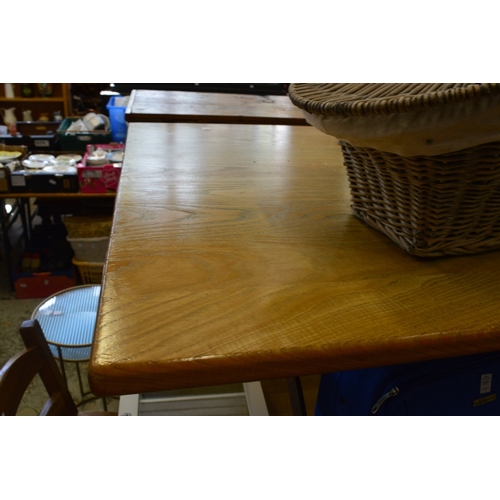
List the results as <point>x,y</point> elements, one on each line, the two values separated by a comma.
<point>466,385</point>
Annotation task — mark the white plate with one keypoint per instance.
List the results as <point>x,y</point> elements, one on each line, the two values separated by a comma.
<point>7,156</point>
<point>96,160</point>
<point>68,158</point>
<point>61,163</point>
<point>36,164</point>
<point>116,156</point>
<point>53,169</point>
<point>41,157</point>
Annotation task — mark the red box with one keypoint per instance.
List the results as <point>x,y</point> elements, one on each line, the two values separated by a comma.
<point>99,178</point>
<point>42,285</point>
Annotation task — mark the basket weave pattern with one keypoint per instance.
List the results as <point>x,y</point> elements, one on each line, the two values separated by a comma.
<point>447,203</point>
<point>90,272</point>
<point>367,99</point>
<point>430,206</point>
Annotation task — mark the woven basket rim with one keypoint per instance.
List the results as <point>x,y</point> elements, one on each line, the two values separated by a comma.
<point>369,99</point>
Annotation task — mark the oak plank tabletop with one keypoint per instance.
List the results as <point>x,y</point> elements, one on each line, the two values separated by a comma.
<point>234,257</point>
<point>206,107</point>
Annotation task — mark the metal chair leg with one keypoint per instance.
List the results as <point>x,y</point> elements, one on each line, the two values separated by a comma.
<point>83,393</point>
<point>61,362</point>
<point>80,383</point>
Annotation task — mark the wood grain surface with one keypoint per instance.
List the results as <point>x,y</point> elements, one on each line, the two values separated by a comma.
<point>206,107</point>
<point>234,257</point>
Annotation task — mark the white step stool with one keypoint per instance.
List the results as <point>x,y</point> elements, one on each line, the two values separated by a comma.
<point>235,399</point>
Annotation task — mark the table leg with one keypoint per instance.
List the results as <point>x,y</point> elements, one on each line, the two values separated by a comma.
<point>296,396</point>
<point>25,213</point>
<point>20,208</point>
<point>4,222</point>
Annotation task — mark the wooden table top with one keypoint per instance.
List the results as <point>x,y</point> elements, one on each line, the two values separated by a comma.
<point>234,257</point>
<point>206,107</point>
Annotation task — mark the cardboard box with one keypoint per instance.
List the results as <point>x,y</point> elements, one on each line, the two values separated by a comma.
<point>37,128</point>
<point>100,178</point>
<point>26,181</point>
<point>4,179</point>
<point>39,135</point>
<point>5,172</point>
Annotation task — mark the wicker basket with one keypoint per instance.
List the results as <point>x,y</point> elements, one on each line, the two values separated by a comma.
<point>90,272</point>
<point>94,226</point>
<point>430,205</point>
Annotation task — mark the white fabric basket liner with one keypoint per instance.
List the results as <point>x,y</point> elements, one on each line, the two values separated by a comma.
<point>429,132</point>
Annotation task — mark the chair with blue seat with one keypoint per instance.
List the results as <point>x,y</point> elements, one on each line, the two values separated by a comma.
<point>67,319</point>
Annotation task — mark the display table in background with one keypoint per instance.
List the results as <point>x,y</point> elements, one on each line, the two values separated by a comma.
<point>206,107</point>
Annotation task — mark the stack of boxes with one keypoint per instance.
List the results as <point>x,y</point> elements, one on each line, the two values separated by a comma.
<point>89,239</point>
<point>5,159</point>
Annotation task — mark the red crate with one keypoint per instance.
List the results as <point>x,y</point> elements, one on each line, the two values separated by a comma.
<point>41,285</point>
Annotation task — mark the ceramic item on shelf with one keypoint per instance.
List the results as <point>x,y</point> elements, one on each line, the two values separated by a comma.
<point>34,164</point>
<point>96,158</point>
<point>8,115</point>
<point>9,90</point>
<point>27,90</point>
<point>27,115</point>
<point>44,117</point>
<point>44,89</point>
<point>13,165</point>
<point>41,157</point>
<point>57,163</point>
<point>60,169</point>
<point>3,130</point>
<point>69,157</point>
<point>94,121</point>
<point>58,117</point>
<point>76,126</point>
<point>116,156</point>
<point>8,156</point>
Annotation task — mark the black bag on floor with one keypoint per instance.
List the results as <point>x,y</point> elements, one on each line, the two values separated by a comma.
<point>467,385</point>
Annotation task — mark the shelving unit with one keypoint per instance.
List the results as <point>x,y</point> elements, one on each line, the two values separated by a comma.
<point>23,207</point>
<point>59,101</point>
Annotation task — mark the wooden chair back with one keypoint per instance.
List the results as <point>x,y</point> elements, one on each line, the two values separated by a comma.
<point>21,369</point>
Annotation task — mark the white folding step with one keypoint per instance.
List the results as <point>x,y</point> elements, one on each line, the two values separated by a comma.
<point>236,399</point>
